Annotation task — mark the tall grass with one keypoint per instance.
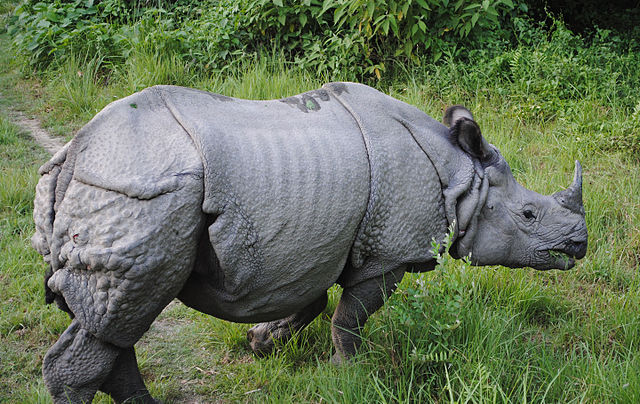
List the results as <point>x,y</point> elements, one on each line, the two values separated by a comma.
<point>25,324</point>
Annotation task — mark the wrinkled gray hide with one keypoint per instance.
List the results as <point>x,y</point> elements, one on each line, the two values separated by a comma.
<point>251,210</point>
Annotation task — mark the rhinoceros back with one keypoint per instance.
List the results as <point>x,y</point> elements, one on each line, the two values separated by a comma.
<point>286,186</point>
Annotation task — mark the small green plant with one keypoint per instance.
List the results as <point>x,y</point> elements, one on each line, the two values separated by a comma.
<point>432,307</point>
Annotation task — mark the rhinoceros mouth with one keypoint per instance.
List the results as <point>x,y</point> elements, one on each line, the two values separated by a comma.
<point>559,259</point>
<point>565,254</point>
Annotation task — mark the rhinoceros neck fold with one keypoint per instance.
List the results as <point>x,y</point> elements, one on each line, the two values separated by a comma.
<point>462,181</point>
<point>336,89</point>
<point>431,159</point>
<point>404,184</point>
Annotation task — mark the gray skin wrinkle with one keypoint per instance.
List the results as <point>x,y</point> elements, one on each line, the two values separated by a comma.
<point>251,210</point>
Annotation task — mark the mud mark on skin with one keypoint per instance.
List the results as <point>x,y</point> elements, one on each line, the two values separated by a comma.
<point>34,128</point>
<point>307,102</point>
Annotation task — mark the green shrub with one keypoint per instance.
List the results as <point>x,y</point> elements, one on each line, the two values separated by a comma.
<point>422,25</point>
<point>471,46</point>
<point>345,38</point>
<point>44,31</point>
<point>206,35</point>
<point>358,36</point>
<point>209,39</point>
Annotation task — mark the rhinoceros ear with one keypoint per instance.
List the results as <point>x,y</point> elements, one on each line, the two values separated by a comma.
<point>454,113</point>
<point>466,132</point>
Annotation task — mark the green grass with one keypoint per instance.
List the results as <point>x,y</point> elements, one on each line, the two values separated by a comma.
<point>26,325</point>
<point>458,334</point>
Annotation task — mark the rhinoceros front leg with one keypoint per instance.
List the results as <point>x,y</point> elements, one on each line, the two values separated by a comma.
<point>356,304</point>
<point>262,336</point>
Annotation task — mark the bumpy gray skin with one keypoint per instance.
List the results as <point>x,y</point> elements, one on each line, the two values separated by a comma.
<point>250,210</point>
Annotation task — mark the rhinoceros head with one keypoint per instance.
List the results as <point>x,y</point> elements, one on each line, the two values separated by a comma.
<point>514,226</point>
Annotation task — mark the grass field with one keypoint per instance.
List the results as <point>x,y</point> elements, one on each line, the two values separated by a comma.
<point>457,334</point>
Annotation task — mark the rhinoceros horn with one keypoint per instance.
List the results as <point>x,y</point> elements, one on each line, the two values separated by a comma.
<point>571,198</point>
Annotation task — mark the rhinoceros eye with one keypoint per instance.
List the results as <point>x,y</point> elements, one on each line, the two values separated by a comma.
<point>528,214</point>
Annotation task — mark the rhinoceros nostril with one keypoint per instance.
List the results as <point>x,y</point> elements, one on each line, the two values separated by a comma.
<point>576,248</point>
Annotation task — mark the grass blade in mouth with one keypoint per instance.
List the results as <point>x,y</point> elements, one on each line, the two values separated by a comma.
<point>560,256</point>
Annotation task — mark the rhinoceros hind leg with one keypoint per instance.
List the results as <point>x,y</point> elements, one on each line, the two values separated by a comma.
<point>124,383</point>
<point>356,304</point>
<point>76,365</point>
<point>262,336</point>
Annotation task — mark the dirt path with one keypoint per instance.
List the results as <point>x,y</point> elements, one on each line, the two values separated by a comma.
<point>33,127</point>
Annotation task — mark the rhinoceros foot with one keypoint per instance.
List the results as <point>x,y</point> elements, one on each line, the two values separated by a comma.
<point>262,336</point>
<point>337,359</point>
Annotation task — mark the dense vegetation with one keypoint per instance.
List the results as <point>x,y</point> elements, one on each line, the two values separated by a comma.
<point>552,69</point>
<point>545,92</point>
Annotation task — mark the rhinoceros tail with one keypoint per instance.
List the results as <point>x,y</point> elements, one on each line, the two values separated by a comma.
<point>56,175</point>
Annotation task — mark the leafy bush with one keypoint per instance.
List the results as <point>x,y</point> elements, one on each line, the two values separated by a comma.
<point>46,30</point>
<point>360,35</point>
<point>205,35</point>
<point>209,38</point>
<point>331,37</point>
<point>433,309</point>
<point>548,71</point>
<point>421,25</point>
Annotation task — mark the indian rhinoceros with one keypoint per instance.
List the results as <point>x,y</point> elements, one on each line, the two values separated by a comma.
<point>250,210</point>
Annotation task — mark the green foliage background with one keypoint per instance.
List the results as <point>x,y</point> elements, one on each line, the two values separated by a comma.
<point>209,32</point>
<point>377,41</point>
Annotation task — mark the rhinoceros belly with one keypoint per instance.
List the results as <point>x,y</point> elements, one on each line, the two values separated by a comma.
<point>286,186</point>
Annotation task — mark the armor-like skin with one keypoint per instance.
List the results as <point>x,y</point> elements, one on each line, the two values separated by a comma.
<point>251,210</point>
